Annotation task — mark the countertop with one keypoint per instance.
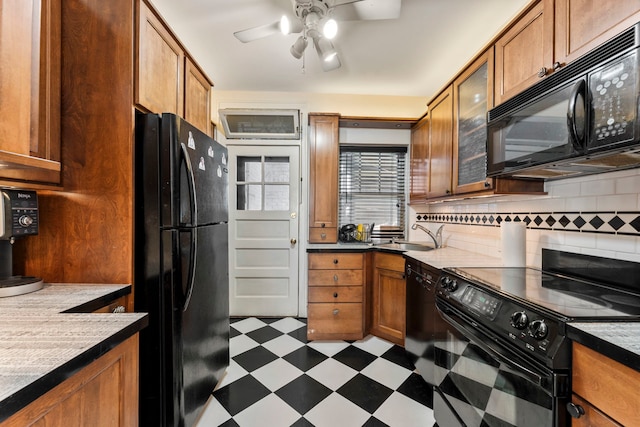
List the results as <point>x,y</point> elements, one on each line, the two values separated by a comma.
<point>43,341</point>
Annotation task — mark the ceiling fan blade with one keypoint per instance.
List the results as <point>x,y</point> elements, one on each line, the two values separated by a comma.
<point>366,10</point>
<point>259,32</point>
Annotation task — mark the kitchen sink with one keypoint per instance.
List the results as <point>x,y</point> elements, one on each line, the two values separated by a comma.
<point>406,246</point>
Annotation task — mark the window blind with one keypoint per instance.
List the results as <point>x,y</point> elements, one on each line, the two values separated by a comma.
<point>372,189</point>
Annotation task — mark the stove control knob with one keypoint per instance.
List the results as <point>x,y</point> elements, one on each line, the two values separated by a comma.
<point>453,285</point>
<point>539,329</point>
<point>445,282</point>
<point>519,320</point>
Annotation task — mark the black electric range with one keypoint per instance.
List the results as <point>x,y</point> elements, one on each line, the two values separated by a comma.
<point>529,307</point>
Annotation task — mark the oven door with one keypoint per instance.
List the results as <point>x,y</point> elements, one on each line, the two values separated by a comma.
<point>486,384</point>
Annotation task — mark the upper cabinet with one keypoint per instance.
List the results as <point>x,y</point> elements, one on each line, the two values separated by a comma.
<point>553,33</point>
<point>440,144</point>
<point>472,97</point>
<point>30,92</point>
<point>167,79</point>
<point>581,25</point>
<point>524,54</point>
<point>324,152</point>
<point>419,160</point>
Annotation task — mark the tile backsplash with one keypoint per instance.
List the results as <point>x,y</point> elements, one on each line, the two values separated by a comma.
<point>596,215</point>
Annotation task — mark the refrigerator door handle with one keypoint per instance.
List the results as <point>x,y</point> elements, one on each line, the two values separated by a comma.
<point>192,187</point>
<point>191,277</point>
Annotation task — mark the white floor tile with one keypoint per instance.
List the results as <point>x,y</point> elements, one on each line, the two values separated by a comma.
<point>277,374</point>
<point>270,411</point>
<point>400,411</point>
<point>214,414</point>
<point>283,345</point>
<point>386,373</point>
<point>234,372</point>
<point>336,411</point>
<point>332,373</point>
<point>287,324</point>
<point>328,348</point>
<point>241,343</point>
<point>373,345</point>
<point>249,324</point>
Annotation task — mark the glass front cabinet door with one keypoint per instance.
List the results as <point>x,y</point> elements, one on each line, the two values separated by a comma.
<point>473,97</point>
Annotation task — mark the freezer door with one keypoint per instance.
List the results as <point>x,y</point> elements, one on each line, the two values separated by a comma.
<point>195,183</point>
<point>204,312</point>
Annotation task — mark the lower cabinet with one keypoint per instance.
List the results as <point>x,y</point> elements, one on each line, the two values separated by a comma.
<point>388,300</point>
<point>336,296</point>
<point>103,394</point>
<point>605,392</point>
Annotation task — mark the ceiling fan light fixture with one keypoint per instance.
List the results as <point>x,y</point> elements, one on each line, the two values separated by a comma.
<point>285,25</point>
<point>297,49</point>
<point>325,49</point>
<point>330,28</point>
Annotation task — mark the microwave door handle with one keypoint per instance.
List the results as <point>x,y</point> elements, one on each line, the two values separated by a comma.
<point>576,113</point>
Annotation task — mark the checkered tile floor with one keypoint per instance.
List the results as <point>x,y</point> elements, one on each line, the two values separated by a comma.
<point>278,379</point>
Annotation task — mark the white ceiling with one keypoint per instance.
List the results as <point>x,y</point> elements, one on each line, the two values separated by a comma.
<point>414,55</point>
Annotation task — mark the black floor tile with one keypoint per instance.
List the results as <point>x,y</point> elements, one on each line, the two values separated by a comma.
<point>303,393</point>
<point>374,422</point>
<point>365,392</point>
<point>233,332</point>
<point>264,334</point>
<point>255,358</point>
<point>416,388</point>
<point>241,394</point>
<point>229,423</point>
<point>300,334</point>
<point>269,319</point>
<point>305,358</point>
<point>398,355</point>
<point>355,358</point>
<point>302,422</point>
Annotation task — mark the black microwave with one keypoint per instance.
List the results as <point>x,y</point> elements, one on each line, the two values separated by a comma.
<point>582,119</point>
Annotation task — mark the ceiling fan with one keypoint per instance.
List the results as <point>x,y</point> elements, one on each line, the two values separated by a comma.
<point>317,20</point>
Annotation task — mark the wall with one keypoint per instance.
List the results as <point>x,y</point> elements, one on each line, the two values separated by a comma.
<point>596,215</point>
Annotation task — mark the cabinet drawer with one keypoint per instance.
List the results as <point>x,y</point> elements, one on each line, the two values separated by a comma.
<point>592,416</point>
<point>389,261</point>
<point>323,235</point>
<point>335,294</point>
<point>339,321</point>
<point>602,381</point>
<point>335,277</point>
<point>336,261</point>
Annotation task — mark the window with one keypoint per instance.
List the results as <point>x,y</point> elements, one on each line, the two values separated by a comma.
<point>372,189</point>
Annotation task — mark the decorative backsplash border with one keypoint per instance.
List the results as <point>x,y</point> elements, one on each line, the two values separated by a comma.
<point>615,222</point>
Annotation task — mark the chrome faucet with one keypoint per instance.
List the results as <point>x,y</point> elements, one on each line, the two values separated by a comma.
<point>437,238</point>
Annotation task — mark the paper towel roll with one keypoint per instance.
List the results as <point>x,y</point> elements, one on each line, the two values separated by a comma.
<point>514,243</point>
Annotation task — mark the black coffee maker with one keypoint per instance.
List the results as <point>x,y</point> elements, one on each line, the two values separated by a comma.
<point>18,218</point>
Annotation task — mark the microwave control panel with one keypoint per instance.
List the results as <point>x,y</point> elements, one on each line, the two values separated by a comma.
<point>614,91</point>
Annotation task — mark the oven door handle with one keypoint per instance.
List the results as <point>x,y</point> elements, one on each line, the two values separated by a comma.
<point>510,365</point>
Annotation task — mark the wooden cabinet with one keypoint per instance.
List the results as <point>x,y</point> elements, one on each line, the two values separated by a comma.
<point>167,79</point>
<point>581,25</point>
<point>30,92</point>
<point>336,296</point>
<point>389,297</point>
<point>606,390</point>
<point>419,160</point>
<point>440,144</point>
<point>524,54</point>
<point>324,155</point>
<point>472,97</point>
<point>105,393</point>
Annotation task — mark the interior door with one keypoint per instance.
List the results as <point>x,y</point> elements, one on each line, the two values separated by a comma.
<point>263,215</point>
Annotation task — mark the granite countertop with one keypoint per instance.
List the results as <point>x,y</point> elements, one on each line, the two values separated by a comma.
<point>43,342</point>
<point>619,341</point>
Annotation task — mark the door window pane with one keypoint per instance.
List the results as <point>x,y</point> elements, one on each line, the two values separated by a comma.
<point>249,169</point>
<point>263,183</point>
<point>276,169</point>
<point>276,197</point>
<point>249,197</point>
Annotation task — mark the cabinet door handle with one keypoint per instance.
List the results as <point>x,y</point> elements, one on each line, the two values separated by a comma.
<point>335,261</point>
<point>322,225</point>
<point>335,277</point>
<point>335,295</point>
<point>576,411</point>
<point>119,309</point>
<point>335,312</point>
<point>542,72</point>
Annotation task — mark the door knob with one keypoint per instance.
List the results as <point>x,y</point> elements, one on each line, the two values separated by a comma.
<point>294,241</point>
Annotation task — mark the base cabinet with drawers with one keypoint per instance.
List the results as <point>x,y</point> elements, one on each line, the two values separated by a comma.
<point>337,296</point>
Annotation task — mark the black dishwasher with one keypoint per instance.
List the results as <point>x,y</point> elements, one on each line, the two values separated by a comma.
<point>422,320</point>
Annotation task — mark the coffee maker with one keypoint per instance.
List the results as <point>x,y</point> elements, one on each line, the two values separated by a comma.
<point>18,218</point>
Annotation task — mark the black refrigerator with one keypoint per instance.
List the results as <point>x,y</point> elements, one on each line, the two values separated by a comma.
<point>181,267</point>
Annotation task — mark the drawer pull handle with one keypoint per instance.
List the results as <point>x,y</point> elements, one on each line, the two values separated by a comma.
<point>335,312</point>
<point>335,277</point>
<point>335,295</point>
<point>576,411</point>
<point>322,225</point>
<point>335,261</point>
<point>323,236</point>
